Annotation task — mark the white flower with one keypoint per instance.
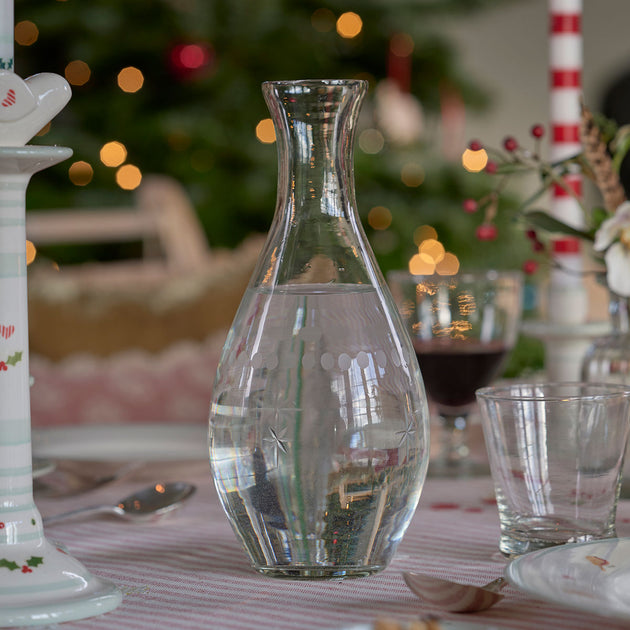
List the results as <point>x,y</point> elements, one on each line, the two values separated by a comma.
<point>613,237</point>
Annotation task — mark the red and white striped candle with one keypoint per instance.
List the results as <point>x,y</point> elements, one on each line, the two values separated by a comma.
<point>565,83</point>
<point>565,64</point>
<point>6,35</point>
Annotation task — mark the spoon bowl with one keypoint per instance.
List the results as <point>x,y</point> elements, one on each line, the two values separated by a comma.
<point>453,596</point>
<point>148,504</point>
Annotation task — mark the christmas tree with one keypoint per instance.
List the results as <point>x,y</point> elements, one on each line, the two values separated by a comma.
<point>173,86</point>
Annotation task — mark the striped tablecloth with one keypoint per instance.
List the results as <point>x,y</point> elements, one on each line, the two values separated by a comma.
<point>189,571</point>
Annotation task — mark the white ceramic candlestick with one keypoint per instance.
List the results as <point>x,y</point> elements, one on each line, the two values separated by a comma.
<point>6,34</point>
<point>39,583</point>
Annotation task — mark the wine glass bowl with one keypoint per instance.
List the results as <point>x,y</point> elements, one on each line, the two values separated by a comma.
<point>463,328</point>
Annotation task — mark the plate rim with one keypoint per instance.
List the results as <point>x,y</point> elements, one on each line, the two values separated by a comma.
<point>511,573</point>
<point>183,431</point>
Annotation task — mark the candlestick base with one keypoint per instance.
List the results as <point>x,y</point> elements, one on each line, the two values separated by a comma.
<point>41,584</point>
<point>565,345</point>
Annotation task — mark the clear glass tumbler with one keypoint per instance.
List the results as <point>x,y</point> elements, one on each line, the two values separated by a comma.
<point>556,453</point>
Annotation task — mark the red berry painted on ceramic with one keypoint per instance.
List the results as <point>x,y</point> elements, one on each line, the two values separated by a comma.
<point>491,167</point>
<point>487,232</point>
<point>475,145</point>
<point>531,235</point>
<point>530,267</point>
<point>538,131</point>
<point>510,144</point>
<point>537,246</point>
<point>470,205</point>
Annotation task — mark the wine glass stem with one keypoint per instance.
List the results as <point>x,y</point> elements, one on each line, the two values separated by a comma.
<point>454,438</point>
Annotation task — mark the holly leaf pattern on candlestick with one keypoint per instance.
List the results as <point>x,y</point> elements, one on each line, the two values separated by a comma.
<point>9,564</point>
<point>34,561</point>
<point>15,358</point>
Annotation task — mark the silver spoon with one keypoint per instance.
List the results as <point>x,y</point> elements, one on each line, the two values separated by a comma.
<point>145,505</point>
<point>67,478</point>
<point>453,596</point>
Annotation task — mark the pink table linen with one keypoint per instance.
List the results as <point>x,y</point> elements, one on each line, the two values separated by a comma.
<point>189,571</point>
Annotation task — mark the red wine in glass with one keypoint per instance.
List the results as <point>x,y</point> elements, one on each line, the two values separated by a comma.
<point>454,369</point>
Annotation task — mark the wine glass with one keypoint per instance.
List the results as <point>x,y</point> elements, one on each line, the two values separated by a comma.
<point>462,327</point>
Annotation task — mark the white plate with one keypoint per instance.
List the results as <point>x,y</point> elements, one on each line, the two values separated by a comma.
<point>123,442</point>
<point>593,576</point>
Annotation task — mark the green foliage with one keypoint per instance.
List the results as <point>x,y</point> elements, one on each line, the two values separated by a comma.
<point>543,220</point>
<point>200,127</point>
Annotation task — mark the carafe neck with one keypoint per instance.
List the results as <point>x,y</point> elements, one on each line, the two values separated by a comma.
<point>315,122</point>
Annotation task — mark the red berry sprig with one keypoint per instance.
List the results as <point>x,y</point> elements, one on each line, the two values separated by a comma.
<point>487,232</point>
<point>537,245</point>
<point>470,206</point>
<point>517,158</point>
<point>510,144</point>
<point>530,267</point>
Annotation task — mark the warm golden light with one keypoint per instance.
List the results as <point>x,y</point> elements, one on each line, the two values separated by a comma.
<point>457,329</point>
<point>432,248</point>
<point>80,173</point>
<point>379,218</point>
<point>423,233</point>
<point>26,33</point>
<point>113,153</point>
<point>128,177</point>
<point>31,252</point>
<point>448,266</point>
<point>77,72</point>
<point>421,265</point>
<point>323,20</point>
<point>467,304</point>
<point>265,131</point>
<point>474,161</point>
<point>130,79</point>
<point>371,141</point>
<point>401,45</point>
<point>412,174</point>
<point>349,25</point>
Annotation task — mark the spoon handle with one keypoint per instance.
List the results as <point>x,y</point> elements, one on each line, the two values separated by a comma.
<point>82,512</point>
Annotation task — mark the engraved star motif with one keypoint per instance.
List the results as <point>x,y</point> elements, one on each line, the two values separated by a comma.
<point>278,442</point>
<point>407,433</point>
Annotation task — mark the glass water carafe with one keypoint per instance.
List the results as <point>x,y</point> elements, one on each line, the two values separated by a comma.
<point>319,438</point>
